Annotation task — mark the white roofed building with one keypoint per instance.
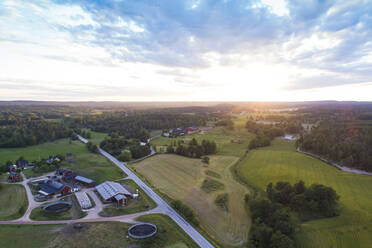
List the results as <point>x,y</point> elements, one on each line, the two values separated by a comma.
<point>113,192</point>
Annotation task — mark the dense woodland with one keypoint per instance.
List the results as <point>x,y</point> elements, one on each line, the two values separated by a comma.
<point>132,124</point>
<point>31,132</point>
<point>348,143</point>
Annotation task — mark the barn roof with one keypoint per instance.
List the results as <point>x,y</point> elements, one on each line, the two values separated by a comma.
<point>84,179</point>
<point>110,189</point>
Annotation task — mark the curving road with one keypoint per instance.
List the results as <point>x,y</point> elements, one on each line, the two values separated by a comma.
<point>163,207</point>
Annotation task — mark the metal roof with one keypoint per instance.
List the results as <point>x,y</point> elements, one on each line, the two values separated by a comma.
<point>84,179</point>
<point>110,189</point>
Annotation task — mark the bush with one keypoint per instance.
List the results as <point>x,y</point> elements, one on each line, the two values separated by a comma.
<point>185,211</point>
<point>222,201</point>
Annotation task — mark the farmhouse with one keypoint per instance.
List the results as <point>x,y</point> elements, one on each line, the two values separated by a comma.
<point>178,131</point>
<point>22,163</point>
<point>13,176</point>
<point>52,187</point>
<point>51,160</point>
<point>113,192</point>
<point>65,174</point>
<point>192,129</point>
<point>85,181</point>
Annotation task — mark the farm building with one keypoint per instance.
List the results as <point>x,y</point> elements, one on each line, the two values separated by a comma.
<point>65,174</point>
<point>178,131</point>
<point>85,181</point>
<point>52,187</point>
<point>113,192</point>
<point>192,129</point>
<point>22,163</point>
<point>11,167</point>
<point>51,160</point>
<point>13,176</point>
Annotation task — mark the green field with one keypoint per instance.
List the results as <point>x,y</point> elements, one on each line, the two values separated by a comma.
<point>13,201</point>
<point>143,203</point>
<point>280,162</point>
<point>106,234</point>
<point>83,162</point>
<point>226,140</point>
<point>44,150</point>
<point>181,178</point>
<point>97,137</point>
<point>71,214</point>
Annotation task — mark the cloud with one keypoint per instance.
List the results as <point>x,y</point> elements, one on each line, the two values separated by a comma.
<point>320,43</point>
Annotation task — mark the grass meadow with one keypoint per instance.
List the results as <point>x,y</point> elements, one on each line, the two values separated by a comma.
<point>83,162</point>
<point>226,140</point>
<point>181,178</point>
<point>281,162</point>
<point>13,201</point>
<point>104,234</point>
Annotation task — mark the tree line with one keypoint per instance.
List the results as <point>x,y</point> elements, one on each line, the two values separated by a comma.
<point>134,124</point>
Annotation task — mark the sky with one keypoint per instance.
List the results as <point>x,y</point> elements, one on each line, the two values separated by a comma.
<point>186,50</point>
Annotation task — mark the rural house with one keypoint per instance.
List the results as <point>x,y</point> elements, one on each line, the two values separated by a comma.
<point>85,181</point>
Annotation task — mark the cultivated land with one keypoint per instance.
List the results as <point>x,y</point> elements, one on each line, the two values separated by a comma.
<point>280,162</point>
<point>181,178</point>
<point>106,234</point>
<point>97,137</point>
<point>83,162</point>
<point>13,201</point>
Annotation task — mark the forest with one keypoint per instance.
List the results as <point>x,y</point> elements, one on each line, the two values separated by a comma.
<point>341,141</point>
<point>31,132</point>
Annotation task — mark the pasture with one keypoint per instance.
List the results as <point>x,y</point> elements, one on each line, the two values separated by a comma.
<point>83,162</point>
<point>61,146</point>
<point>181,178</point>
<point>226,140</point>
<point>13,201</point>
<point>281,162</point>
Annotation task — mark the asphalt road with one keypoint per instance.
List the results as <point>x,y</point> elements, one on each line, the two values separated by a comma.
<point>163,207</point>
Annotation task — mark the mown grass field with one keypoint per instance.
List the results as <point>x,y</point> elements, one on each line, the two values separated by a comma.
<point>226,140</point>
<point>105,234</point>
<point>181,178</point>
<point>13,201</point>
<point>61,146</point>
<point>280,162</point>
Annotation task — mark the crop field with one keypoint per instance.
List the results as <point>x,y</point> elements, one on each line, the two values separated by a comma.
<point>181,178</point>
<point>229,143</point>
<point>105,234</point>
<point>13,201</point>
<point>280,162</point>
